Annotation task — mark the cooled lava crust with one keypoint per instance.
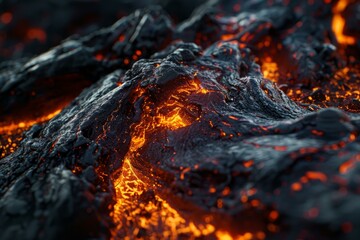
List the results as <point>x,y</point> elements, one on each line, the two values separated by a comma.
<point>241,122</point>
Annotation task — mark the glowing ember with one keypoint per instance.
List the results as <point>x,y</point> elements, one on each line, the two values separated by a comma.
<point>9,143</point>
<point>11,134</point>
<point>270,70</point>
<point>215,128</point>
<point>349,164</point>
<point>338,24</point>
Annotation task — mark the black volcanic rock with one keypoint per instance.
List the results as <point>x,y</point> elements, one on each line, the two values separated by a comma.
<point>245,148</point>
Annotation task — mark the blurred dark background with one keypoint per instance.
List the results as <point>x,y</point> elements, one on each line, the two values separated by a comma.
<point>29,27</point>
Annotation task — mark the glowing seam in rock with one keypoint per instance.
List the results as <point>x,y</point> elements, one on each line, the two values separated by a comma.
<point>129,186</point>
<point>338,24</point>
<point>10,128</point>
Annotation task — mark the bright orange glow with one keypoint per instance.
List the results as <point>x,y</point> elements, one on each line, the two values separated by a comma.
<point>9,143</point>
<point>342,91</point>
<point>316,176</point>
<point>248,164</point>
<point>171,115</point>
<point>338,24</point>
<point>129,188</point>
<point>11,134</point>
<point>270,70</point>
<point>225,235</point>
<point>346,166</point>
<point>296,186</point>
<point>174,120</point>
<point>13,127</point>
<point>227,37</point>
<point>137,141</point>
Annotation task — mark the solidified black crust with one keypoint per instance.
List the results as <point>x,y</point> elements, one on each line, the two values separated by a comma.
<point>58,185</point>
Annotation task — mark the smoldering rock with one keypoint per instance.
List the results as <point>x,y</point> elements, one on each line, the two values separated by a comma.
<point>249,149</point>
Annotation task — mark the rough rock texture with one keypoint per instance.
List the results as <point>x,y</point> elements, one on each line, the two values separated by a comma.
<point>30,28</point>
<point>245,149</point>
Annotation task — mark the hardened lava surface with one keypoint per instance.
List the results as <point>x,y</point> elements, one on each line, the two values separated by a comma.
<point>242,122</point>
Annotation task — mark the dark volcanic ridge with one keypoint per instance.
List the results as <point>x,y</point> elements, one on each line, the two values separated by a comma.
<point>179,131</point>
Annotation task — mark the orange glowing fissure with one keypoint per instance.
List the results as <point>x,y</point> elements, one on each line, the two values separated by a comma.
<point>13,127</point>
<point>342,89</point>
<point>161,220</point>
<point>129,185</point>
<point>338,24</point>
<point>170,115</point>
<point>11,134</point>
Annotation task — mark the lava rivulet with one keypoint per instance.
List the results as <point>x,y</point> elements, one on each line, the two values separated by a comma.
<point>11,134</point>
<point>13,127</point>
<point>239,123</point>
<point>170,114</point>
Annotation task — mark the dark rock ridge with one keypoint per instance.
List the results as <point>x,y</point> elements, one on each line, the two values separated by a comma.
<point>246,139</point>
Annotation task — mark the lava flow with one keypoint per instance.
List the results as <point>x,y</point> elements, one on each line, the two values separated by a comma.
<point>11,134</point>
<point>241,122</point>
<point>171,114</point>
<point>338,24</point>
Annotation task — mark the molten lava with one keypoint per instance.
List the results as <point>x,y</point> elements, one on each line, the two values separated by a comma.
<point>171,114</point>
<point>11,134</point>
<point>14,127</point>
<point>338,24</point>
<point>270,70</point>
<point>240,123</point>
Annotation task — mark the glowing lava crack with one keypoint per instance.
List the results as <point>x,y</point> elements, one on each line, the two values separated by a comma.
<point>241,122</point>
<point>170,114</point>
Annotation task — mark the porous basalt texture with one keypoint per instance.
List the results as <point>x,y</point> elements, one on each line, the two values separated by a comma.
<point>241,149</point>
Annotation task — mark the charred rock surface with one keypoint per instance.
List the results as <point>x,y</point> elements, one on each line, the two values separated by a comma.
<point>30,28</point>
<point>192,140</point>
<point>60,74</point>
